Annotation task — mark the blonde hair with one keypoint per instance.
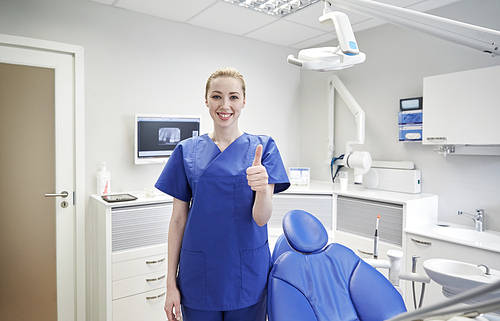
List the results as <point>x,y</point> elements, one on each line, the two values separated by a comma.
<point>225,72</point>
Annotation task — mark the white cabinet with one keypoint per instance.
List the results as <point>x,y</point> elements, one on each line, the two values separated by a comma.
<point>462,108</point>
<point>355,212</point>
<point>427,248</point>
<point>127,259</point>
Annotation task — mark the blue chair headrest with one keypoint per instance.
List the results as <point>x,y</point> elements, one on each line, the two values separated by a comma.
<point>304,232</point>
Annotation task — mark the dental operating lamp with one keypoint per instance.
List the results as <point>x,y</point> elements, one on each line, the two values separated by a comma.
<point>347,53</point>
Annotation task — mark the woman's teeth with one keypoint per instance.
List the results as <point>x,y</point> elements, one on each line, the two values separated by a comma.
<point>224,116</point>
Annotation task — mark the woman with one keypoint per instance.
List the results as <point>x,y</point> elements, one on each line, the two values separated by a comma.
<point>222,184</point>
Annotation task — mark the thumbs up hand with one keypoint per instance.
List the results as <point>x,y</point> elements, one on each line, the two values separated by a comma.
<point>257,174</point>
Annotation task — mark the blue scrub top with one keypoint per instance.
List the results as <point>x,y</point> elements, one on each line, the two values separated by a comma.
<point>225,258</point>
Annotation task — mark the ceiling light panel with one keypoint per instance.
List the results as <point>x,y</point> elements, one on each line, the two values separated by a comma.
<point>276,8</point>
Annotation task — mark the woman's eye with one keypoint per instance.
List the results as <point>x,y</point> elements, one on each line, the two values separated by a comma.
<point>216,97</point>
<point>235,97</point>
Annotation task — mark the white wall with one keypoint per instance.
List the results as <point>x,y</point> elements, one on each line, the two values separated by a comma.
<point>140,64</point>
<point>397,61</point>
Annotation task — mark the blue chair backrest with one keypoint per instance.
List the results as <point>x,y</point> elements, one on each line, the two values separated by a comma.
<point>311,282</point>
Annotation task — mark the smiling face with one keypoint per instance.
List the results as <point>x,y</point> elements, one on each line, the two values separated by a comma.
<point>225,100</point>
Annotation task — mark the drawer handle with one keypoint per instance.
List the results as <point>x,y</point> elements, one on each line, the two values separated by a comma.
<point>365,252</point>
<point>156,279</point>
<point>155,297</point>
<point>421,242</point>
<point>156,261</point>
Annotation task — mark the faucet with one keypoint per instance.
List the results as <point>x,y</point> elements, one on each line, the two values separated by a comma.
<point>478,218</point>
<point>486,267</point>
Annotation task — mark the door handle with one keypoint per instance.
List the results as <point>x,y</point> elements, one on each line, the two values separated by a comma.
<point>63,194</point>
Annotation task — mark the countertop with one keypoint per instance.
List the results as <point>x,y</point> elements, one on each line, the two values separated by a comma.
<point>328,188</point>
<point>460,234</point>
<point>143,198</point>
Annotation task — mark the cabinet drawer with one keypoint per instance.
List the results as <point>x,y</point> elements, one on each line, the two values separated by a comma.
<point>358,216</point>
<point>138,284</point>
<point>139,226</point>
<point>141,266</point>
<point>141,307</point>
<point>362,246</point>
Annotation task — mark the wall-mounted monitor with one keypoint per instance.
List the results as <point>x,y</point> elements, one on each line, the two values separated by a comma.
<point>157,135</point>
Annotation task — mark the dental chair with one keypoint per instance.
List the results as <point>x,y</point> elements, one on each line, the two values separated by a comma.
<point>311,282</point>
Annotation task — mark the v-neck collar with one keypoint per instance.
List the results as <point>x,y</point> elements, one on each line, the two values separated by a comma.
<point>217,147</point>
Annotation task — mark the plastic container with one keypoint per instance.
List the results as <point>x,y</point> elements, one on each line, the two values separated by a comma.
<point>103,180</point>
<point>343,177</point>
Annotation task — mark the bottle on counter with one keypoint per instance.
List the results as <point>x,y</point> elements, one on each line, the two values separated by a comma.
<point>103,180</point>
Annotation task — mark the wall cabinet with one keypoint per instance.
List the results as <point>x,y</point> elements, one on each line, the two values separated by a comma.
<point>428,248</point>
<point>127,259</point>
<point>462,108</point>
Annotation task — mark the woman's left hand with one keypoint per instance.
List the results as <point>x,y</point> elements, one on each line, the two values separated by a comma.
<point>257,174</point>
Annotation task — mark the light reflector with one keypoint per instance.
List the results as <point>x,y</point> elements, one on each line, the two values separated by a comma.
<point>277,8</point>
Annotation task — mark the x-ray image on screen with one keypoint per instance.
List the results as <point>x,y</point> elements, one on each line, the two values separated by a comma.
<point>169,136</point>
<point>157,135</point>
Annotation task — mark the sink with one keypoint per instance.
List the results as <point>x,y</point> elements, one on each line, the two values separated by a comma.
<point>456,277</point>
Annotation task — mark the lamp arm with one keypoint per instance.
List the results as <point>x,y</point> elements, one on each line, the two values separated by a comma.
<point>480,38</point>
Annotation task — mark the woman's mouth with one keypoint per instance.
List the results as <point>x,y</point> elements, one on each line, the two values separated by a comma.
<point>224,116</point>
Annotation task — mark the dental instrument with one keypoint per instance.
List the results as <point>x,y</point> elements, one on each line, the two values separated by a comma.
<point>375,239</point>
<point>347,53</point>
<point>422,289</point>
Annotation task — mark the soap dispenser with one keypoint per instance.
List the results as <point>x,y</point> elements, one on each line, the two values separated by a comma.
<point>103,180</point>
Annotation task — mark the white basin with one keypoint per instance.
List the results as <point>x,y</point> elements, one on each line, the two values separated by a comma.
<point>456,277</point>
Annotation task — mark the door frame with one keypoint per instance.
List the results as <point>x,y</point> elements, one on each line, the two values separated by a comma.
<point>79,150</point>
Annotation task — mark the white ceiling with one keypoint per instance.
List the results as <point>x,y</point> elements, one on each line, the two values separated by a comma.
<point>298,30</point>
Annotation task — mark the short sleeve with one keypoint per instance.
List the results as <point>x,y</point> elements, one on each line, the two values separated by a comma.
<point>271,160</point>
<point>173,180</point>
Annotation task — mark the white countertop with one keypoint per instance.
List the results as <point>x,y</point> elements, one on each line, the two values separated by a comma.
<point>328,188</point>
<point>315,188</point>
<point>459,234</point>
<point>143,198</point>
